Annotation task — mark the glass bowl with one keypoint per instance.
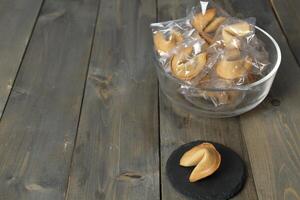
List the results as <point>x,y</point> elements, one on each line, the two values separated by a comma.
<point>246,97</point>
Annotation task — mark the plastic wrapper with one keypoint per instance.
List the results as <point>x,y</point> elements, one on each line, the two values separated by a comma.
<point>217,91</point>
<point>206,19</point>
<point>242,57</point>
<point>180,49</point>
<point>188,61</point>
<point>167,35</point>
<point>211,53</point>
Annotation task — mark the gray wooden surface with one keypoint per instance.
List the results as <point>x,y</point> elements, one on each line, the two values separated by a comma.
<point>289,17</point>
<point>38,126</point>
<point>17,19</point>
<point>116,153</point>
<point>86,120</point>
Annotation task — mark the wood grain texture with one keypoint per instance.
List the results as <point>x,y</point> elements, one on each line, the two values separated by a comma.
<point>116,154</point>
<point>39,124</point>
<point>271,131</point>
<point>17,19</point>
<point>289,17</point>
<point>177,128</point>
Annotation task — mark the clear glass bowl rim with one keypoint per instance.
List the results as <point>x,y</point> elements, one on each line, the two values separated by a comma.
<point>240,87</point>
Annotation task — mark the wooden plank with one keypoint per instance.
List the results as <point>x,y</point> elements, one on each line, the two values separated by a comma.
<point>38,127</point>
<point>272,130</point>
<point>116,154</point>
<point>176,129</point>
<point>288,14</point>
<point>17,19</point>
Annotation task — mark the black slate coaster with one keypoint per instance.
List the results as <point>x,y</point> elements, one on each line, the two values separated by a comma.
<point>226,182</point>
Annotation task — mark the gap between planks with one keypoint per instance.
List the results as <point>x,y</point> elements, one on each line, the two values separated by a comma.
<point>82,99</point>
<point>22,58</point>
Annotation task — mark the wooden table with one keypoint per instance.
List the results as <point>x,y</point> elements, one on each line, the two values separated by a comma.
<point>82,116</point>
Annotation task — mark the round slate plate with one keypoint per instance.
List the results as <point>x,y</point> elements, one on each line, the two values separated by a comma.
<point>227,181</point>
